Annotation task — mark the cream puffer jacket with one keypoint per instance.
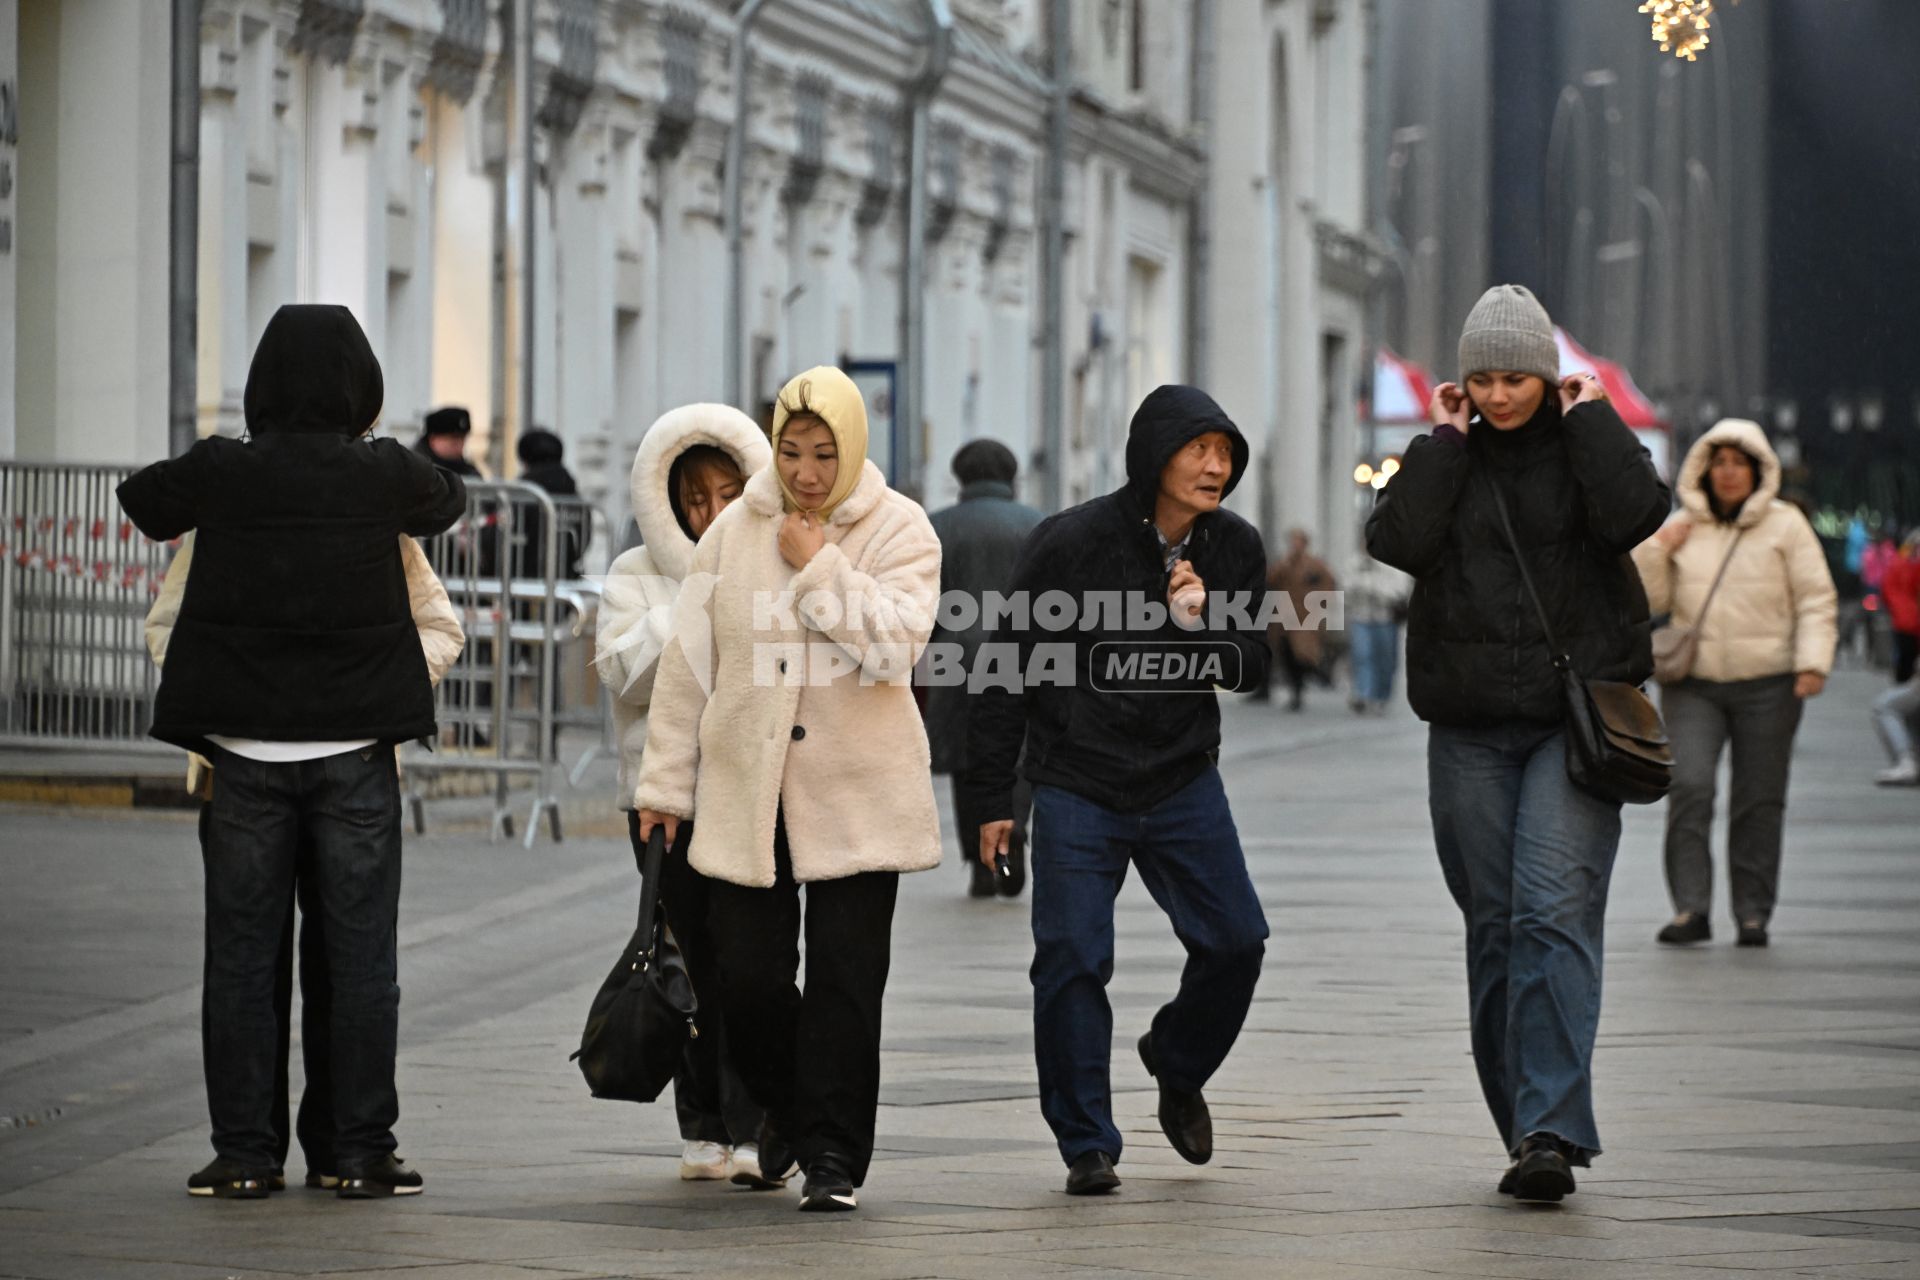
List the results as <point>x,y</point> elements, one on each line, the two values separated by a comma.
<point>636,608</point>
<point>441,636</point>
<point>762,703</point>
<point>1776,610</point>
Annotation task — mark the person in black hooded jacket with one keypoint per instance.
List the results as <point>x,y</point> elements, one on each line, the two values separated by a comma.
<point>1122,759</point>
<point>295,666</point>
<point>1526,854</point>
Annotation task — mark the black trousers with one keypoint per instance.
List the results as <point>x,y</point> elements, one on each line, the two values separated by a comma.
<point>709,1097</point>
<point>811,1059</point>
<point>343,812</point>
<point>315,1122</point>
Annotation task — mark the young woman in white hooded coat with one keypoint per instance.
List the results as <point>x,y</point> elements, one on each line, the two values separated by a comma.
<point>784,725</point>
<point>692,463</point>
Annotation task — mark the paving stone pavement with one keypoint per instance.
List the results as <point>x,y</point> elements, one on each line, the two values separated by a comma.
<point>1761,1109</point>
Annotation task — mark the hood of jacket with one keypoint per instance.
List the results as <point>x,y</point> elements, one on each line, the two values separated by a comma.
<point>1165,422</point>
<point>672,434</point>
<point>313,371</point>
<point>830,395</point>
<point>1749,439</point>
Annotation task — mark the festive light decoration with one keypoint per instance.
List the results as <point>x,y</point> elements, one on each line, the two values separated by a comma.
<point>1681,27</point>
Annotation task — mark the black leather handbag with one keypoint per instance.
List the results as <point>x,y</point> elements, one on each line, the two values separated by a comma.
<point>1617,745</point>
<point>646,1011</point>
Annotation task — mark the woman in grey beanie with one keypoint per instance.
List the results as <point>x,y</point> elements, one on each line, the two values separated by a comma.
<point>1526,854</point>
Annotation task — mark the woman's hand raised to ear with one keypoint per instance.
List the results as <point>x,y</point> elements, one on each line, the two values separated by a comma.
<point>800,538</point>
<point>1450,407</point>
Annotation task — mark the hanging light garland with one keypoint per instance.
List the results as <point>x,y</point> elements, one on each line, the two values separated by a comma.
<point>1681,27</point>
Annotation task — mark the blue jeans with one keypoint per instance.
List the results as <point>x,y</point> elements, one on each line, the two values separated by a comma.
<point>1527,857</point>
<point>1376,655</point>
<point>1189,857</point>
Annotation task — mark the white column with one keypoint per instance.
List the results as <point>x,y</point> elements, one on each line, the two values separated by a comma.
<point>347,201</point>
<point>462,204</point>
<point>223,343</point>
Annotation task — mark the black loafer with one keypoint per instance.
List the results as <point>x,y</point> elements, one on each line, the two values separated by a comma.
<point>1092,1175</point>
<point>1752,934</point>
<point>226,1179</point>
<point>1184,1117</point>
<point>1543,1174</point>
<point>387,1176</point>
<point>1686,929</point>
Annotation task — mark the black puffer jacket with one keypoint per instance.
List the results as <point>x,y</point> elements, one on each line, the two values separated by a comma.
<point>1125,750</point>
<point>1582,493</point>
<point>295,625</point>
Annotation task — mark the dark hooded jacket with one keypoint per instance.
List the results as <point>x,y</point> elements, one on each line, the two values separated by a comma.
<point>295,625</point>
<point>1582,493</point>
<point>1122,747</point>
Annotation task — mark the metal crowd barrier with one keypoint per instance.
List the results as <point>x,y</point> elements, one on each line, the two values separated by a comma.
<point>76,580</point>
<point>511,567</point>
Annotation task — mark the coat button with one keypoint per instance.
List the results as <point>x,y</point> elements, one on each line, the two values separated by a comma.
<point>798,733</point>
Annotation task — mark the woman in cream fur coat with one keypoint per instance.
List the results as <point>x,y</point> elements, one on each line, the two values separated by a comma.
<point>692,464</point>
<point>1766,646</point>
<point>783,722</point>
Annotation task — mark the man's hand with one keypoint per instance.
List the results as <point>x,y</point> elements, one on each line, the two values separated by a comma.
<point>1673,534</point>
<point>1450,407</point>
<point>651,818</point>
<point>1808,684</point>
<point>800,538</point>
<point>995,839</point>
<point>1186,596</point>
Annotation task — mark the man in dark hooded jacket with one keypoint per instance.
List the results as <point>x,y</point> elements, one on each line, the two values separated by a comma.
<point>295,666</point>
<point>1122,757</point>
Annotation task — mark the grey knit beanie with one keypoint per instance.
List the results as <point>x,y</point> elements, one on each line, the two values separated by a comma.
<point>1509,330</point>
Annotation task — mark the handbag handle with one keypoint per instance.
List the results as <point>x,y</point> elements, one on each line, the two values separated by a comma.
<point>650,887</point>
<point>1560,657</point>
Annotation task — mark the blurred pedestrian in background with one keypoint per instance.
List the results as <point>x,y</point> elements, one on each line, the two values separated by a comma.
<point>1376,602</point>
<point>980,540</point>
<point>444,440</point>
<point>1526,854</point>
<point>1763,648</point>
<point>1900,591</point>
<point>542,457</point>
<point>692,464</point>
<point>1896,713</point>
<point>1300,643</point>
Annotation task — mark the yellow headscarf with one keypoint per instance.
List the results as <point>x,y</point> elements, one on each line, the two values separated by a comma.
<point>830,395</point>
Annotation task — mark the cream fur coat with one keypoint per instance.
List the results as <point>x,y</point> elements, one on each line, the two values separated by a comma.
<point>833,736</point>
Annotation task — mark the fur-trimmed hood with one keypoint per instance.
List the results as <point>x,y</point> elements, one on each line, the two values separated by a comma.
<point>1750,440</point>
<point>672,434</point>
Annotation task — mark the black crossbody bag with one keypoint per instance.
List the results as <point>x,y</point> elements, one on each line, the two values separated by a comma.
<point>1617,746</point>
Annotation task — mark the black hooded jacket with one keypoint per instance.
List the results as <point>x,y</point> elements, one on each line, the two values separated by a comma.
<point>295,625</point>
<point>1582,492</point>
<point>1123,747</point>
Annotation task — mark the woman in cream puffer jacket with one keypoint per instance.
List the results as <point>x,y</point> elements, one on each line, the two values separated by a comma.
<point>1765,646</point>
<point>784,725</point>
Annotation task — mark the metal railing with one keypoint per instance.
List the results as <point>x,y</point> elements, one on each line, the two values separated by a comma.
<point>76,580</point>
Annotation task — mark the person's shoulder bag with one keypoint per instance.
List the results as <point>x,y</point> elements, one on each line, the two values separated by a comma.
<point>645,1012</point>
<point>1675,649</point>
<point>1617,746</point>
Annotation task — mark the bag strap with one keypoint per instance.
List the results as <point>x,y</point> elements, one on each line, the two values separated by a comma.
<point>1560,657</point>
<point>650,885</point>
<point>1724,562</point>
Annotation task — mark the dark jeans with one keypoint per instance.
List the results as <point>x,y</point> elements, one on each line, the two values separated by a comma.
<point>315,1122</point>
<point>813,1059</point>
<point>709,1097</point>
<point>1528,858</point>
<point>969,822</point>
<point>1189,857</point>
<point>344,811</point>
<point>1759,718</point>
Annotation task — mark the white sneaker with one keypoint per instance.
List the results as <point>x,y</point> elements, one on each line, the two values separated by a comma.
<point>746,1169</point>
<point>1904,774</point>
<point>705,1162</point>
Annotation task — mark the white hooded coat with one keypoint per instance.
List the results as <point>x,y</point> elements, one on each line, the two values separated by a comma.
<point>642,585</point>
<point>1776,610</point>
<point>791,708</point>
